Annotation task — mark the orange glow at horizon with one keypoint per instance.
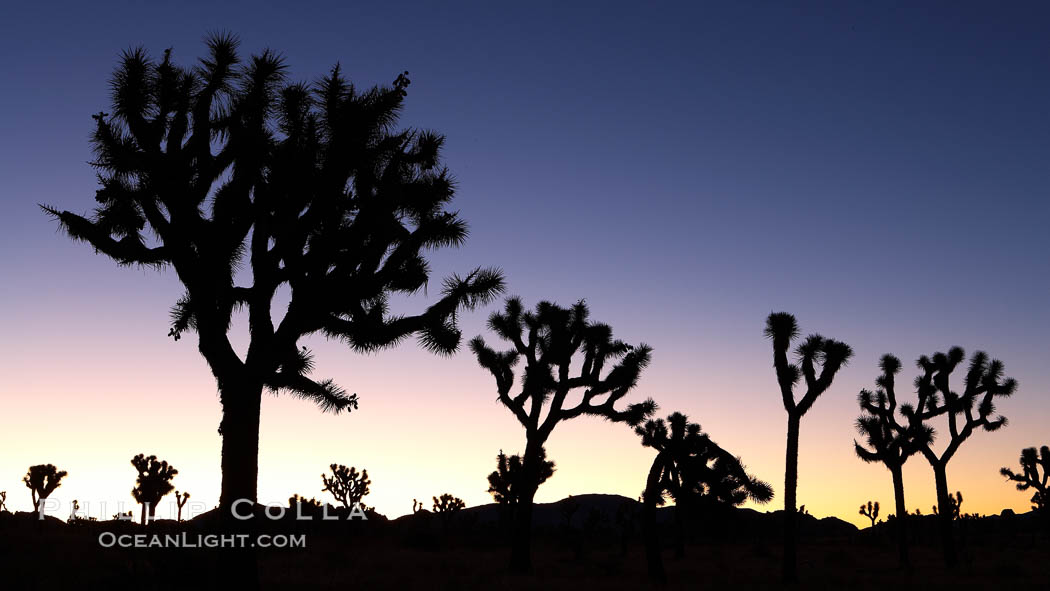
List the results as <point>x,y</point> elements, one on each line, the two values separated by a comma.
<point>437,429</point>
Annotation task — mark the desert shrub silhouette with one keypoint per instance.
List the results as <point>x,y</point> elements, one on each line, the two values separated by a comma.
<point>306,507</point>
<point>830,355</point>
<point>548,339</point>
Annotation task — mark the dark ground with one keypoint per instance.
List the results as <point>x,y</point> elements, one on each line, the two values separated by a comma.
<point>470,552</point>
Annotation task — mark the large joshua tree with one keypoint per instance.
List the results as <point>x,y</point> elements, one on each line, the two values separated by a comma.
<point>42,480</point>
<point>888,442</point>
<point>815,351</point>
<point>689,468</point>
<point>984,382</point>
<point>152,484</point>
<point>244,184</point>
<point>549,339</point>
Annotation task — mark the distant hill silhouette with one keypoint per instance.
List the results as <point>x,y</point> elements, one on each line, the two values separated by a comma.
<point>743,521</point>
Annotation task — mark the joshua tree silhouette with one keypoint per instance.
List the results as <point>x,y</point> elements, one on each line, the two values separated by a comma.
<point>889,442</point>
<point>954,505</point>
<point>548,339</point>
<point>180,502</point>
<point>224,168</point>
<point>447,503</point>
<point>690,468</point>
<point>871,511</point>
<point>346,485</point>
<point>506,482</point>
<point>1029,476</point>
<point>815,350</point>
<point>983,383</point>
<point>42,480</point>
<point>152,484</point>
<point>3,501</point>
<point>417,506</point>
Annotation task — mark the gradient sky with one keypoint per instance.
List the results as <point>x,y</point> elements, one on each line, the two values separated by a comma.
<point>877,169</point>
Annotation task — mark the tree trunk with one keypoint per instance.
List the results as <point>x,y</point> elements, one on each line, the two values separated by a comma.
<point>653,558</point>
<point>241,404</point>
<point>680,517</point>
<point>142,514</point>
<point>790,563</point>
<point>521,534</point>
<point>944,517</point>
<point>902,516</point>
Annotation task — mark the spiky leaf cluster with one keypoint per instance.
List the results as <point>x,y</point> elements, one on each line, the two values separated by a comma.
<point>548,339</point>
<point>818,359</point>
<point>887,441</point>
<point>227,167</point>
<point>966,411</point>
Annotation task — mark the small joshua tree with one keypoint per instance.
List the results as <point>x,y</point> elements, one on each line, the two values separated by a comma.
<point>42,480</point>
<point>548,340</point>
<point>971,410</point>
<point>152,484</point>
<point>690,468</point>
<point>954,505</point>
<point>506,482</point>
<point>346,485</point>
<point>1029,477</point>
<point>417,506</point>
<point>871,511</point>
<point>448,504</point>
<point>180,502</point>
<point>830,355</point>
<point>3,501</point>
<point>448,507</point>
